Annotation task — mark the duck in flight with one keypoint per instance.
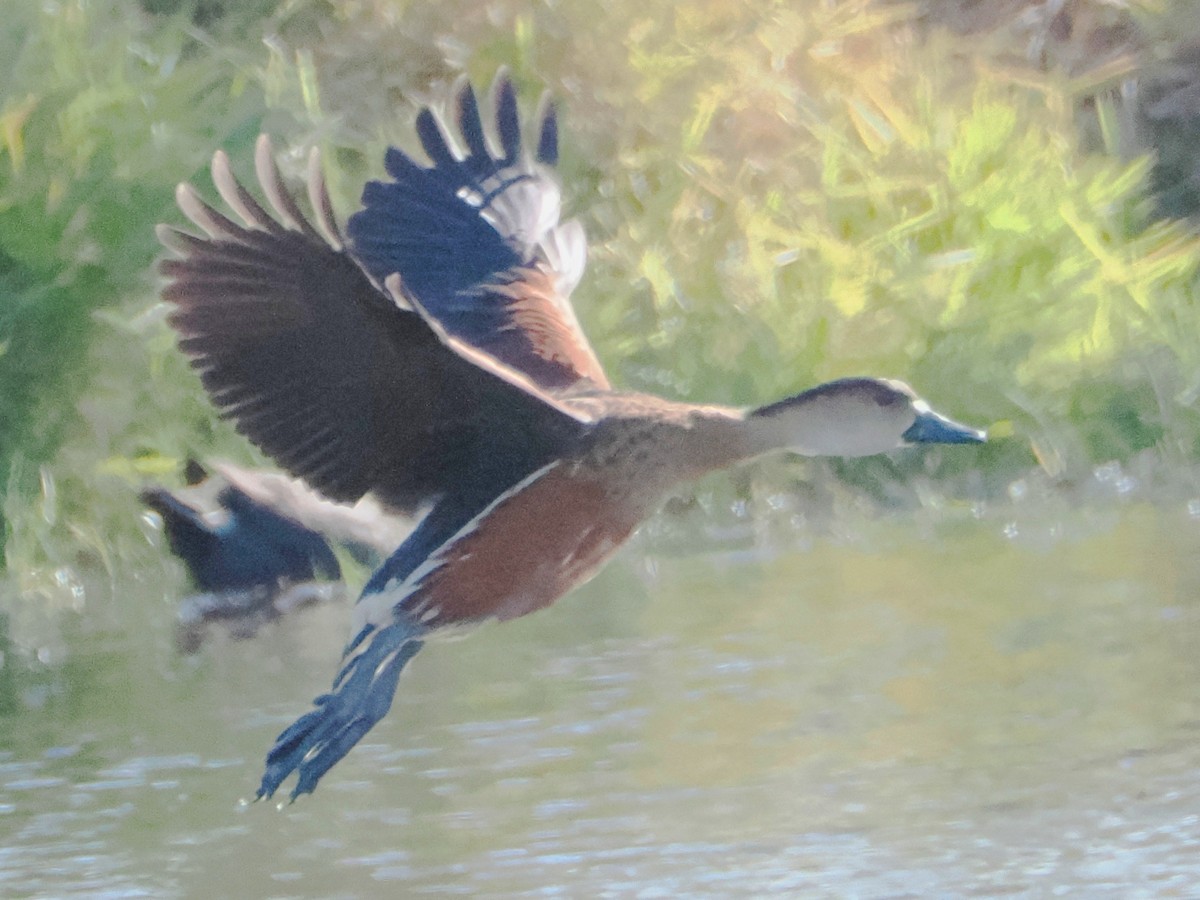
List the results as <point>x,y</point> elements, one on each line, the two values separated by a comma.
<point>430,355</point>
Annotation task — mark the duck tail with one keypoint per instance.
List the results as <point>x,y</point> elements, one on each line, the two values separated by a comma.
<point>361,696</point>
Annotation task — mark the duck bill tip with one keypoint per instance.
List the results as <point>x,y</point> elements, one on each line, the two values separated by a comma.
<point>933,428</point>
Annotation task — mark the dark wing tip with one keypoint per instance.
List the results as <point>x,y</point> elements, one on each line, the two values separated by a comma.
<point>547,147</point>
<point>433,139</point>
<point>469,122</point>
<point>508,119</point>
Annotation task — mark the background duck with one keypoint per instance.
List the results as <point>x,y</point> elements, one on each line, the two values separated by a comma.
<point>434,359</point>
<point>367,529</point>
<point>251,560</point>
<point>242,545</point>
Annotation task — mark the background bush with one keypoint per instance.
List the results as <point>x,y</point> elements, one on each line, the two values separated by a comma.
<point>962,195</point>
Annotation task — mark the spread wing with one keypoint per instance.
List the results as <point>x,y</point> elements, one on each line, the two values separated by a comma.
<point>476,238</point>
<point>342,382</point>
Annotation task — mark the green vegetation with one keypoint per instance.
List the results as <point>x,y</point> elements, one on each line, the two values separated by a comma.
<point>776,193</point>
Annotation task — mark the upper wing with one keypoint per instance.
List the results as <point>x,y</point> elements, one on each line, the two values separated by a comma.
<point>476,239</point>
<point>326,372</point>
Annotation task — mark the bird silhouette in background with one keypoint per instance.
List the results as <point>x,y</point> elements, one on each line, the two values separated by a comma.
<point>251,562</point>
<point>367,529</point>
<point>247,545</point>
<point>431,356</point>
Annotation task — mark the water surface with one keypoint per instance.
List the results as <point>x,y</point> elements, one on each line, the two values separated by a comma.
<point>1003,704</point>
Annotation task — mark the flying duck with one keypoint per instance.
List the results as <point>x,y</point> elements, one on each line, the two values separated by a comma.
<point>430,355</point>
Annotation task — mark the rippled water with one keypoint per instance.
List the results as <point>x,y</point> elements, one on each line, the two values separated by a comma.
<point>983,706</point>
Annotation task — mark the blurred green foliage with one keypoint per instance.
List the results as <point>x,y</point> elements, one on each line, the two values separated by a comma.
<point>776,193</point>
<point>103,108</point>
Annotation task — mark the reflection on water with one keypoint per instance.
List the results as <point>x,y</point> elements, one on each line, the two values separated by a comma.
<point>956,709</point>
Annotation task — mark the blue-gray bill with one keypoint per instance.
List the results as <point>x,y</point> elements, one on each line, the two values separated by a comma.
<point>932,428</point>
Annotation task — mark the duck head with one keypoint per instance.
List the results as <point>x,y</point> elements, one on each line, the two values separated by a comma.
<point>855,417</point>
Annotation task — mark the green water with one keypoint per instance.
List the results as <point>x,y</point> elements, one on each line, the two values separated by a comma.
<point>931,704</point>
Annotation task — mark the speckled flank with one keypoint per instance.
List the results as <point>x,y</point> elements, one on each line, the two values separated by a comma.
<point>527,552</point>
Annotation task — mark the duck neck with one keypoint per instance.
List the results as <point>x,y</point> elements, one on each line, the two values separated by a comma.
<point>720,438</point>
<point>766,432</point>
<point>841,418</point>
<point>717,437</point>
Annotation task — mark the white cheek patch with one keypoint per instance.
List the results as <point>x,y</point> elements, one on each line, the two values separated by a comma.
<point>849,429</point>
